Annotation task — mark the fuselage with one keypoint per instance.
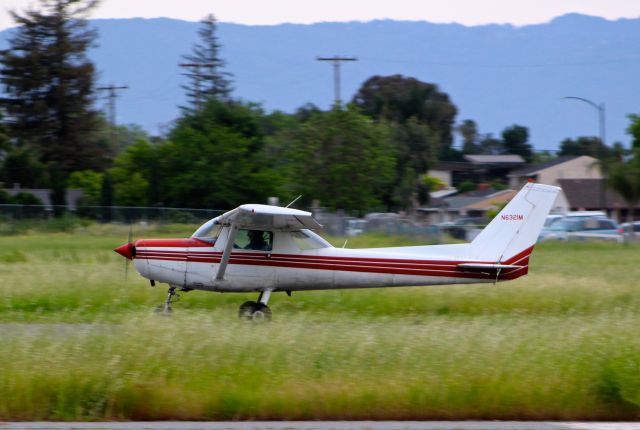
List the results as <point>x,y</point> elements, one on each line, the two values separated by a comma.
<point>292,265</point>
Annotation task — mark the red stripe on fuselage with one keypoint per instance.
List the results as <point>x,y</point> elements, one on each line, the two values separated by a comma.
<point>437,268</point>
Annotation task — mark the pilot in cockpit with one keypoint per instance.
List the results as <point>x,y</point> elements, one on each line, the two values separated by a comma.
<point>256,241</point>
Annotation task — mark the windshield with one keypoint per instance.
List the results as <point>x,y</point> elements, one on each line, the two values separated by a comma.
<point>208,231</point>
<point>550,221</point>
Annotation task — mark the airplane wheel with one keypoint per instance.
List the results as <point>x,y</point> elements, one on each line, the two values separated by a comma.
<point>261,313</point>
<point>254,311</point>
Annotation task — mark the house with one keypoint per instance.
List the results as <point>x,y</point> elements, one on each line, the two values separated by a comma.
<point>476,168</point>
<point>593,194</point>
<point>44,195</point>
<point>565,167</point>
<point>469,205</point>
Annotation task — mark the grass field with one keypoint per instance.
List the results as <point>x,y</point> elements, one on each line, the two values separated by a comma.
<point>78,342</point>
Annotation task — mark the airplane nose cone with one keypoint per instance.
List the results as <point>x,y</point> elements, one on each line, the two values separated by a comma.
<point>127,250</point>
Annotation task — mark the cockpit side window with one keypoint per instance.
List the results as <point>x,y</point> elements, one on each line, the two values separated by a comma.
<point>256,240</point>
<point>306,239</point>
<point>209,231</point>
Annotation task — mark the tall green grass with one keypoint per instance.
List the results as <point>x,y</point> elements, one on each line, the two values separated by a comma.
<point>78,342</point>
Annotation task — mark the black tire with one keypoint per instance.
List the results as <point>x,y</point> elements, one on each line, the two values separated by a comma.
<point>261,313</point>
<point>246,310</point>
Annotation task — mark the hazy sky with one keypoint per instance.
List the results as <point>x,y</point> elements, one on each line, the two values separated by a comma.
<point>468,12</point>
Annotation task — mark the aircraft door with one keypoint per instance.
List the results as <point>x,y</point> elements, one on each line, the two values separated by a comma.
<point>250,266</point>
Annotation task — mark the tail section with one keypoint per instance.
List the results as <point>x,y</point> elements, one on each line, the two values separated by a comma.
<point>511,235</point>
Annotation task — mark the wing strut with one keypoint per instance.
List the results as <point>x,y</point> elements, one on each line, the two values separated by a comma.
<point>231,237</point>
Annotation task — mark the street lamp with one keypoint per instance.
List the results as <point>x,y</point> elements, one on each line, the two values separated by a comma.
<point>601,114</point>
<point>601,118</point>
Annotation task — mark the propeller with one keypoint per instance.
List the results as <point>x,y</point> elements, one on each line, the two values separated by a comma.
<point>128,251</point>
<point>132,248</point>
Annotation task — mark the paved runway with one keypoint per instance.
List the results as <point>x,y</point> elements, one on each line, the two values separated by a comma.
<point>324,425</point>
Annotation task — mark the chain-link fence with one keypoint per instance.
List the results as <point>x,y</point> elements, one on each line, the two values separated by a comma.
<point>124,214</point>
<point>334,223</point>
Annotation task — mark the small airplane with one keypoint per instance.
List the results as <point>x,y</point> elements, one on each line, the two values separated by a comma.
<point>267,249</point>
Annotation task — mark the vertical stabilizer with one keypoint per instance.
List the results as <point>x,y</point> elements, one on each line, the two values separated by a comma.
<point>516,228</point>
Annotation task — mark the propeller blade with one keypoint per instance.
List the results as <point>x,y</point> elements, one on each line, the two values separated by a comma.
<point>132,251</point>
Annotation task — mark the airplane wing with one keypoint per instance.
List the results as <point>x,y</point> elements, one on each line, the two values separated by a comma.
<point>261,217</point>
<point>483,266</point>
<point>264,217</point>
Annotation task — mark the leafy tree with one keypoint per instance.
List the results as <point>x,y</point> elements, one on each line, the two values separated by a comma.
<point>416,147</point>
<point>470,136</point>
<point>466,186</point>
<point>591,146</point>
<point>207,79</point>
<point>341,158</point>
<point>5,144</point>
<point>397,98</point>
<point>541,157</point>
<point>5,197</point>
<point>624,178</point>
<point>135,176</point>
<point>215,158</point>
<point>21,166</point>
<point>25,199</point>
<point>106,195</point>
<point>634,130</point>
<point>49,85</point>
<point>491,145</point>
<point>515,141</point>
<point>90,182</point>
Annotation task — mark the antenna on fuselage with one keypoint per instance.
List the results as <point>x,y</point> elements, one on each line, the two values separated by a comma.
<point>293,201</point>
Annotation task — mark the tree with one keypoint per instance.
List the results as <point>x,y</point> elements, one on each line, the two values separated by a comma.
<point>624,178</point>
<point>207,79</point>
<point>634,130</point>
<point>341,158</point>
<point>90,182</point>
<point>491,145</point>
<point>591,146</point>
<point>397,98</point>
<point>470,135</point>
<point>416,147</point>
<point>515,141</point>
<point>21,166</point>
<point>136,174</point>
<point>49,85</point>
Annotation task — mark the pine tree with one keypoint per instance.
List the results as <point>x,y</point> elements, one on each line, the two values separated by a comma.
<point>49,86</point>
<point>207,79</point>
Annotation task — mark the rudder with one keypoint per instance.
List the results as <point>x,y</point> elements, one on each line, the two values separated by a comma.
<point>516,228</point>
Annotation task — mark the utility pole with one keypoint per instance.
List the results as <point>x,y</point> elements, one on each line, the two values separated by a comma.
<point>112,95</point>
<point>601,128</point>
<point>198,77</point>
<point>336,60</point>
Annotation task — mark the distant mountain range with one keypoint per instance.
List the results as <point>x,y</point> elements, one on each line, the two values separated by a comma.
<point>497,75</point>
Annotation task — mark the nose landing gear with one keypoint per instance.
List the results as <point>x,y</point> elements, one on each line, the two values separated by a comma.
<point>256,311</point>
<point>165,308</point>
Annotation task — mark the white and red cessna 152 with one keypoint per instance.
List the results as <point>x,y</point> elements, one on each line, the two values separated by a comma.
<point>266,249</point>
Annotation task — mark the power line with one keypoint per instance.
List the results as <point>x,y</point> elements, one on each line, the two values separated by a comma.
<point>112,96</point>
<point>336,60</point>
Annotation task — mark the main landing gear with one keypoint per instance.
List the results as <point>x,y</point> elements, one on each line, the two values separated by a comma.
<point>256,311</point>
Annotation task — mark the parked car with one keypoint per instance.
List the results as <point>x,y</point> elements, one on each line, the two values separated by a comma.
<point>463,228</point>
<point>582,228</point>
<point>631,227</point>
<point>551,219</point>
